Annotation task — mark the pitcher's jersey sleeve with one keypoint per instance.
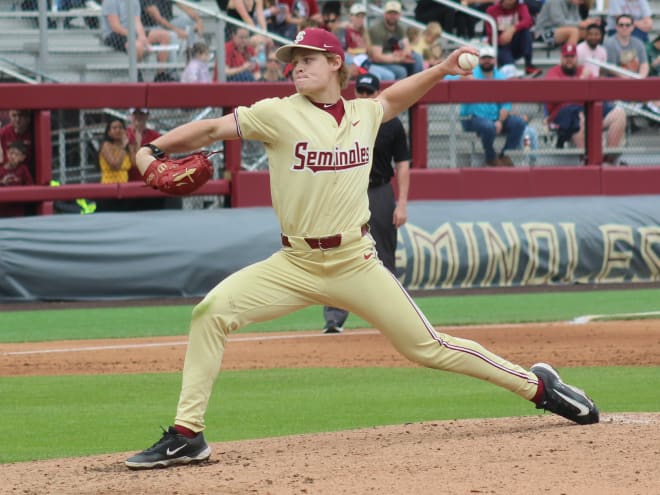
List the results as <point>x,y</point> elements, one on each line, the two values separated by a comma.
<point>319,170</point>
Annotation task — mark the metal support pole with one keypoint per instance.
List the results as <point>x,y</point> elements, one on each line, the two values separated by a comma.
<point>132,50</point>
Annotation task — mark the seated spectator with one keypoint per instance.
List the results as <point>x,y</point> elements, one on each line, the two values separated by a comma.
<point>239,56</point>
<point>138,134</point>
<point>330,13</point>
<point>452,21</point>
<point>302,11</point>
<point>279,20</point>
<point>514,36</point>
<point>250,12</point>
<point>19,128</point>
<point>197,69</point>
<point>640,13</point>
<point>355,41</point>
<point>653,54</point>
<point>568,116</point>
<point>114,29</point>
<point>466,23</point>
<point>591,48</point>
<point>15,172</point>
<point>626,51</point>
<point>114,155</point>
<point>489,119</point>
<point>187,27</point>
<point>429,44</point>
<point>273,71</point>
<point>559,22</point>
<point>390,48</point>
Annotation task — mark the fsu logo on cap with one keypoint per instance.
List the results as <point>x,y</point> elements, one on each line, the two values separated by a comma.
<point>299,37</point>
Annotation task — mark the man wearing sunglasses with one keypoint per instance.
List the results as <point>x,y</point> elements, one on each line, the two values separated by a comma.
<point>625,50</point>
<point>387,214</point>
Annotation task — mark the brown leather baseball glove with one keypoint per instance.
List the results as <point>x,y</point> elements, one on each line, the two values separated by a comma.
<point>179,177</point>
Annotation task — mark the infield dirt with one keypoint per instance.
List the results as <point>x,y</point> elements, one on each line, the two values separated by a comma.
<point>510,456</point>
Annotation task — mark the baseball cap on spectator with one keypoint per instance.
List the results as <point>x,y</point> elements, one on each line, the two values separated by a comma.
<point>367,81</point>
<point>358,8</point>
<point>392,7</point>
<point>487,51</point>
<point>316,39</point>
<point>569,50</point>
<point>140,110</point>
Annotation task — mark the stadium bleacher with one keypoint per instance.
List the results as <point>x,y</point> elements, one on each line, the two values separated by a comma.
<point>77,54</point>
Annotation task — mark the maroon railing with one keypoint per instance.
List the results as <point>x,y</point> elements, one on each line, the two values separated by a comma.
<point>251,188</point>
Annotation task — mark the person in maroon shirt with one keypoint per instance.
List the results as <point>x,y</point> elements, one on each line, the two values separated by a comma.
<point>239,57</point>
<point>568,116</point>
<point>514,35</point>
<point>138,135</point>
<point>19,128</point>
<point>14,172</point>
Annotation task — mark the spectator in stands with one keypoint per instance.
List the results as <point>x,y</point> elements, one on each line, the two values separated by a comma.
<point>429,45</point>
<point>626,51</point>
<point>592,48</point>
<point>138,134</point>
<point>187,27</point>
<point>466,23</point>
<point>303,10</point>
<point>489,119</point>
<point>239,57</point>
<point>390,47</point>
<point>19,128</point>
<point>250,12</point>
<point>15,172</point>
<point>514,36</point>
<point>653,54</point>
<point>114,155</point>
<point>273,71</point>
<point>279,20</point>
<point>568,116</point>
<point>114,29</point>
<point>114,161</point>
<point>355,40</point>
<point>197,69</point>
<point>559,22</point>
<point>638,10</point>
<point>451,20</point>
<point>330,14</point>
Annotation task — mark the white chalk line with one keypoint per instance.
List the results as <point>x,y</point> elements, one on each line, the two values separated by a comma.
<point>147,345</point>
<point>579,320</point>
<point>174,343</point>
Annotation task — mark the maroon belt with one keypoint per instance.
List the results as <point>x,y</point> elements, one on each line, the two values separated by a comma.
<point>329,242</point>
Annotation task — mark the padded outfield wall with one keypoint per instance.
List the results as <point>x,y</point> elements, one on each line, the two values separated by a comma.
<point>445,244</point>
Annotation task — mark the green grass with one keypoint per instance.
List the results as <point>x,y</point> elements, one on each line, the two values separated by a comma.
<point>57,416</point>
<point>52,417</point>
<point>44,325</point>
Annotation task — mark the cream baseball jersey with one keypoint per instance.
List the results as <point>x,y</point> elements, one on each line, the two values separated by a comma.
<point>319,170</point>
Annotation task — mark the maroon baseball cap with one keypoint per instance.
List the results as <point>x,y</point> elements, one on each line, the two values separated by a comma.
<point>316,39</point>
<point>569,50</point>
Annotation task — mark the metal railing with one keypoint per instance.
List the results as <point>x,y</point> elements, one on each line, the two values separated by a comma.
<point>631,75</point>
<point>420,25</point>
<point>474,13</point>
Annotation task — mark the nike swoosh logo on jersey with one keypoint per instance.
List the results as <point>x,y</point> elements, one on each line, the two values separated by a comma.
<point>355,123</point>
<point>327,105</point>
<point>368,255</point>
<point>172,452</point>
<point>584,410</point>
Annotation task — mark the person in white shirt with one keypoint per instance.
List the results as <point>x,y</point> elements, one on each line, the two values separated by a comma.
<point>592,48</point>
